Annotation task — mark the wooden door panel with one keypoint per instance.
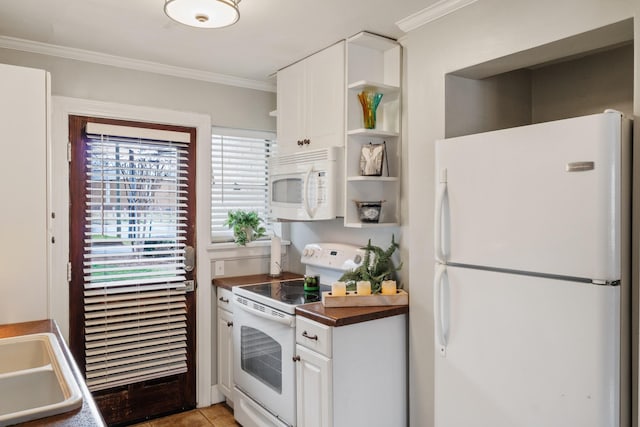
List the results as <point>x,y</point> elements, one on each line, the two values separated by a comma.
<point>149,398</point>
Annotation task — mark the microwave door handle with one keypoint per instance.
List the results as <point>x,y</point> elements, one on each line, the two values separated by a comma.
<point>310,212</point>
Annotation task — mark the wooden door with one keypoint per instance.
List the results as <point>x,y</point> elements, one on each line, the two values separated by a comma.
<point>132,236</point>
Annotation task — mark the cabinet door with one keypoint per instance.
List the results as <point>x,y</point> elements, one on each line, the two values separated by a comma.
<point>325,98</point>
<point>225,352</point>
<point>314,389</point>
<point>23,185</point>
<point>291,107</point>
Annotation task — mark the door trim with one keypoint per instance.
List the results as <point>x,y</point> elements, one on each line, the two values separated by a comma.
<point>59,295</point>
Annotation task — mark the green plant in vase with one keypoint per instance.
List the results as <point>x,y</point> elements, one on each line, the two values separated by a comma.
<point>246,226</point>
<point>377,265</point>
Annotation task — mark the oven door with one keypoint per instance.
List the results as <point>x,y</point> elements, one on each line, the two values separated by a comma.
<point>264,342</point>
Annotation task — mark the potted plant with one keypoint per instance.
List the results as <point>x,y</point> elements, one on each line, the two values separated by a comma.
<point>376,266</point>
<point>246,226</point>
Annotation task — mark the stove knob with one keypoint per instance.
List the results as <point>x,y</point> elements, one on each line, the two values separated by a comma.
<point>357,259</point>
<point>308,253</point>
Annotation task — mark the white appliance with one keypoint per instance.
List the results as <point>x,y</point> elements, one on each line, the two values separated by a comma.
<point>264,336</point>
<point>531,291</point>
<point>306,185</point>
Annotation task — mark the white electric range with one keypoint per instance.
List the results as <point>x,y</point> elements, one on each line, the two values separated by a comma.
<point>264,336</point>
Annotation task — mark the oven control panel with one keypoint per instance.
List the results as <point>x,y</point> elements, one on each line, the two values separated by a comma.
<point>338,256</point>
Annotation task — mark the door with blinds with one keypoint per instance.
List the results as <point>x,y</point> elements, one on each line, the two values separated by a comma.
<point>132,238</point>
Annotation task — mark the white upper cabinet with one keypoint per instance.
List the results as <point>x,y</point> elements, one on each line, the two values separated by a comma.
<point>24,126</point>
<point>310,101</point>
<point>290,99</point>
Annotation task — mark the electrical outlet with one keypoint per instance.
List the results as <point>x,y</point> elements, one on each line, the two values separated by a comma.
<point>219,268</point>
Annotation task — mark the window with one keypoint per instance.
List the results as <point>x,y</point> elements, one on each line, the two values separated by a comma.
<point>240,180</point>
<point>136,221</point>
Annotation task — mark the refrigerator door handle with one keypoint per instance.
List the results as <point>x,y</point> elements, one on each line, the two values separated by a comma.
<point>441,192</point>
<point>441,340</point>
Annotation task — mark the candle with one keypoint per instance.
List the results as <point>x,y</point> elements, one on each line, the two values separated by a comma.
<point>363,287</point>
<point>338,289</point>
<point>276,256</point>
<point>388,287</point>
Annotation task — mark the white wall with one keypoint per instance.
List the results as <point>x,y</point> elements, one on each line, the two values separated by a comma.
<point>228,106</point>
<point>483,31</point>
<point>604,78</point>
<point>335,232</point>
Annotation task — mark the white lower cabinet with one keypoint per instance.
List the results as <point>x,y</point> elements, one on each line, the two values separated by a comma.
<point>314,389</point>
<point>354,375</point>
<point>225,343</point>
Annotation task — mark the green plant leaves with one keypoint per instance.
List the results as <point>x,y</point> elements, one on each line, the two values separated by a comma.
<point>246,226</point>
<point>377,266</point>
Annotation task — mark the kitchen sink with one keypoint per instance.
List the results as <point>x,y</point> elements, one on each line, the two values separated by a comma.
<point>35,379</point>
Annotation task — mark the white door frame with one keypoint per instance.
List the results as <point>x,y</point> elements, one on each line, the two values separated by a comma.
<point>59,204</point>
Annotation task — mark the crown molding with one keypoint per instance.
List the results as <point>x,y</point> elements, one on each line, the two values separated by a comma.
<point>431,13</point>
<point>130,63</point>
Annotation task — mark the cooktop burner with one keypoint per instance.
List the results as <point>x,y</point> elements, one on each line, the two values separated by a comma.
<point>290,292</point>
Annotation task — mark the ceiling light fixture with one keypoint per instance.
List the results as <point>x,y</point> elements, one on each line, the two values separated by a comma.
<point>203,13</point>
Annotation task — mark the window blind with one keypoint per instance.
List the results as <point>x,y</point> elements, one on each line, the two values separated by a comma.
<point>239,164</point>
<point>133,257</point>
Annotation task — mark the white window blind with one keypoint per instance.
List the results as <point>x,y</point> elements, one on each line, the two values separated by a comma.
<point>133,258</point>
<point>239,164</point>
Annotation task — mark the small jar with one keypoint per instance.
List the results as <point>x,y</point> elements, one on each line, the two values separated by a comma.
<point>311,283</point>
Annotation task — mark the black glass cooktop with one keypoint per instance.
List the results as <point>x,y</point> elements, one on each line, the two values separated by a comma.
<point>290,292</point>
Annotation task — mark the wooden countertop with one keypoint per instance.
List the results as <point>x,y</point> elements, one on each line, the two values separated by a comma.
<point>333,316</point>
<point>343,316</point>
<point>229,282</point>
<point>88,414</point>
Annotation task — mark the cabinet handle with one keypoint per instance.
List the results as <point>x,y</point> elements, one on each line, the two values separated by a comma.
<point>296,358</point>
<point>311,337</point>
<point>224,300</point>
<point>229,324</point>
<point>307,141</point>
<point>300,142</point>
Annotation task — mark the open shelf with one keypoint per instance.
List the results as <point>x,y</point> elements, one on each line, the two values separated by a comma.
<point>372,178</point>
<point>373,64</point>
<point>372,132</point>
<point>374,86</point>
<point>371,224</point>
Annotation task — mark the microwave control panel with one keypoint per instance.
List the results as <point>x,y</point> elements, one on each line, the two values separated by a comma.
<point>317,186</point>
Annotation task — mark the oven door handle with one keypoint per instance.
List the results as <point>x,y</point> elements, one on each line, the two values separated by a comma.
<point>287,320</point>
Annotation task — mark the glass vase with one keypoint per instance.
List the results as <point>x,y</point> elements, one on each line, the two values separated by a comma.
<point>369,102</point>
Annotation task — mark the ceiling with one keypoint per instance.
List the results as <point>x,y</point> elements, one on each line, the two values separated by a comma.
<point>270,35</point>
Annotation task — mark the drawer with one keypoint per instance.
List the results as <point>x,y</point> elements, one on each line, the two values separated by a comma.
<point>314,335</point>
<point>225,299</point>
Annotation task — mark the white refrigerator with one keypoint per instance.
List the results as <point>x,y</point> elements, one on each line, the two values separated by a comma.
<point>531,291</point>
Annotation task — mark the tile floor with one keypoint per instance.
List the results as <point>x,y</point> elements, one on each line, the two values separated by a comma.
<point>219,415</point>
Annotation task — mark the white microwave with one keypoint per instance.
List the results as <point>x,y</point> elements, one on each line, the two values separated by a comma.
<point>307,185</point>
